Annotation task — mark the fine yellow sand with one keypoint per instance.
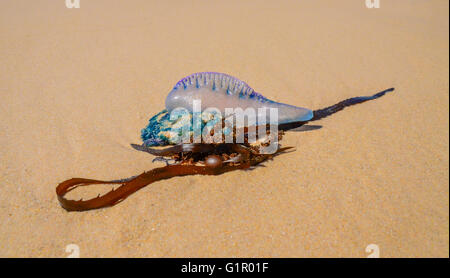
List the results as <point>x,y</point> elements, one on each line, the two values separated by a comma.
<point>77,85</point>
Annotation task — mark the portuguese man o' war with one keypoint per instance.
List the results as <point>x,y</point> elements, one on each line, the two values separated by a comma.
<point>194,95</point>
<point>223,91</point>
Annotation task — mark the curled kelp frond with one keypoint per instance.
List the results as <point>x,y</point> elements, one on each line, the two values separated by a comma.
<point>189,161</point>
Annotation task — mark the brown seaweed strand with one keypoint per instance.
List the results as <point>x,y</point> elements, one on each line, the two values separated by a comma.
<point>126,189</point>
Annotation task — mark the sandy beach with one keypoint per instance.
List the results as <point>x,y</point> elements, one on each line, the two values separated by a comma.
<point>77,86</point>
